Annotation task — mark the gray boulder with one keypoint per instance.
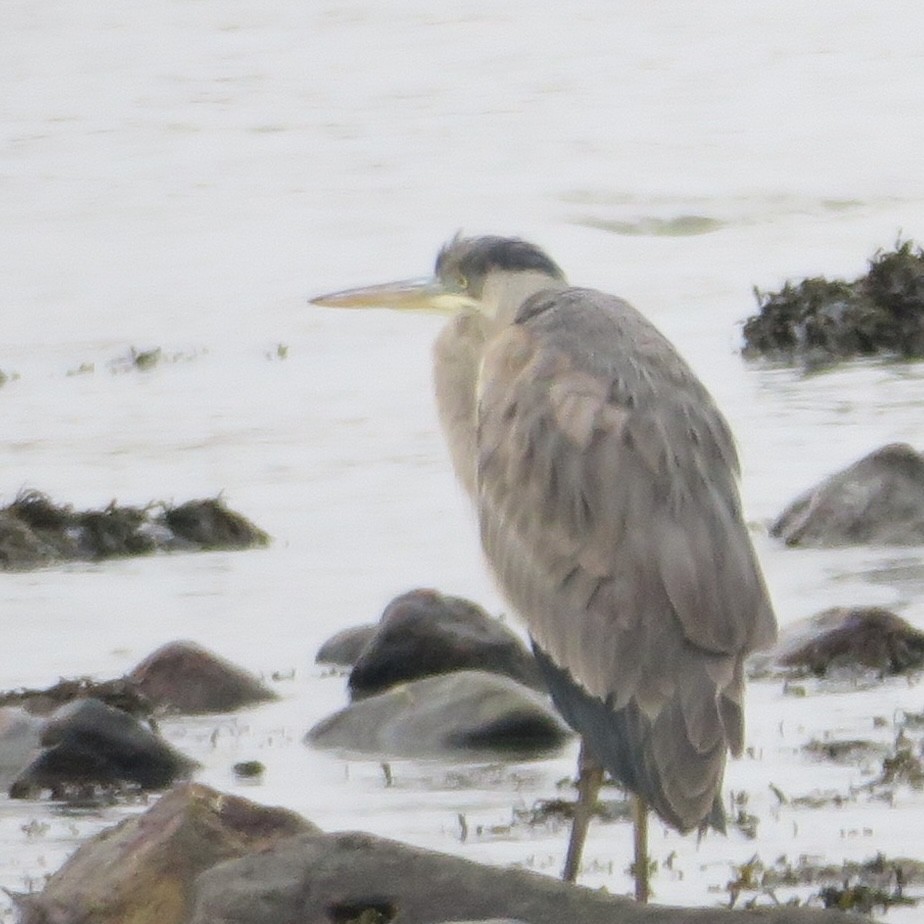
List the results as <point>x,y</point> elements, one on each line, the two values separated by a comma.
<point>344,648</point>
<point>878,500</point>
<point>422,633</point>
<point>446,714</point>
<point>317,879</point>
<point>20,734</point>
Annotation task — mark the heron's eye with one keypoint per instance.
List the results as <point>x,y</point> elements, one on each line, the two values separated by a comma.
<point>461,282</point>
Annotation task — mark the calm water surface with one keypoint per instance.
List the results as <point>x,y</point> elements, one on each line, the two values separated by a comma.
<point>185,175</point>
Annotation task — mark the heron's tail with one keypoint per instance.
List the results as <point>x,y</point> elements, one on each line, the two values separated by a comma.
<point>623,741</point>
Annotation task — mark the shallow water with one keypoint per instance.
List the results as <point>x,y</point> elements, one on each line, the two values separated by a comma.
<point>185,176</point>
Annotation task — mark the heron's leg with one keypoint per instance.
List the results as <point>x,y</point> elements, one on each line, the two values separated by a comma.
<point>590,778</point>
<point>641,866</point>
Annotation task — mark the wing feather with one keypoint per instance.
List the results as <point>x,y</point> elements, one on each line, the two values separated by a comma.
<point>608,504</point>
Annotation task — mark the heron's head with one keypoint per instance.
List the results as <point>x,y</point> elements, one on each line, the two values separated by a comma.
<point>488,275</point>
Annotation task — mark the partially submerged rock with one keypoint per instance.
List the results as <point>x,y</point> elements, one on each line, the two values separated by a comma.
<point>851,639</point>
<point>35,531</point>
<point>178,677</point>
<point>203,857</point>
<point>20,734</point>
<point>344,648</point>
<point>878,500</point>
<point>185,677</point>
<point>89,747</point>
<point>821,321</point>
<point>143,870</point>
<point>423,633</point>
<point>471,711</point>
<point>353,877</point>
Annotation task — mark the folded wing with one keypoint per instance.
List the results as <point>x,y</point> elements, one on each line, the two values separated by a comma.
<point>609,510</point>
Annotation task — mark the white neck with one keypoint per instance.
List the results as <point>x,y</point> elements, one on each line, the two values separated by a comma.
<point>503,293</point>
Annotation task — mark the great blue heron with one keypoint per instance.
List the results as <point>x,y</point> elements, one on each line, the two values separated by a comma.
<point>604,478</point>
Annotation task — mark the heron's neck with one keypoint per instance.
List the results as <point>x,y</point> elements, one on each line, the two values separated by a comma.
<point>503,293</point>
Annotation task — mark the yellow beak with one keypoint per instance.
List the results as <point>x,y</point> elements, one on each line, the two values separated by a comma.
<point>408,295</point>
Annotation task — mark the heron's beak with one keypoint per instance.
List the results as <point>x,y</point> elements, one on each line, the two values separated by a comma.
<point>409,294</point>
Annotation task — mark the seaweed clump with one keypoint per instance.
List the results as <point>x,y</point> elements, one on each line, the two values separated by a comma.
<point>35,531</point>
<point>818,321</point>
<point>209,524</point>
<point>122,694</point>
<point>878,882</point>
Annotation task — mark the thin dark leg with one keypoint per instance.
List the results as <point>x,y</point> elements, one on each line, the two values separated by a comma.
<point>590,778</point>
<point>641,866</point>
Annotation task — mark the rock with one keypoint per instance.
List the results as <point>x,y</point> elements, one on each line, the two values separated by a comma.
<point>142,870</point>
<point>180,676</point>
<point>344,648</point>
<point>185,677</point>
<point>352,877</point>
<point>822,321</point>
<point>20,734</point>
<point>446,714</point>
<point>422,633</point>
<point>852,639</point>
<point>35,531</point>
<point>878,500</point>
<point>87,745</point>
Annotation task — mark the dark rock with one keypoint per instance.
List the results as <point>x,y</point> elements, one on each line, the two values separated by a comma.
<point>878,500</point>
<point>465,710</point>
<point>848,639</point>
<point>352,877</point>
<point>88,746</point>
<point>185,677</point>
<point>821,321</point>
<point>422,633</point>
<point>344,648</point>
<point>143,869</point>
<point>35,531</point>
<point>209,524</point>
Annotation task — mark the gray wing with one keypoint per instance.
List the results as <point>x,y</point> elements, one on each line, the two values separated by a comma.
<point>609,511</point>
